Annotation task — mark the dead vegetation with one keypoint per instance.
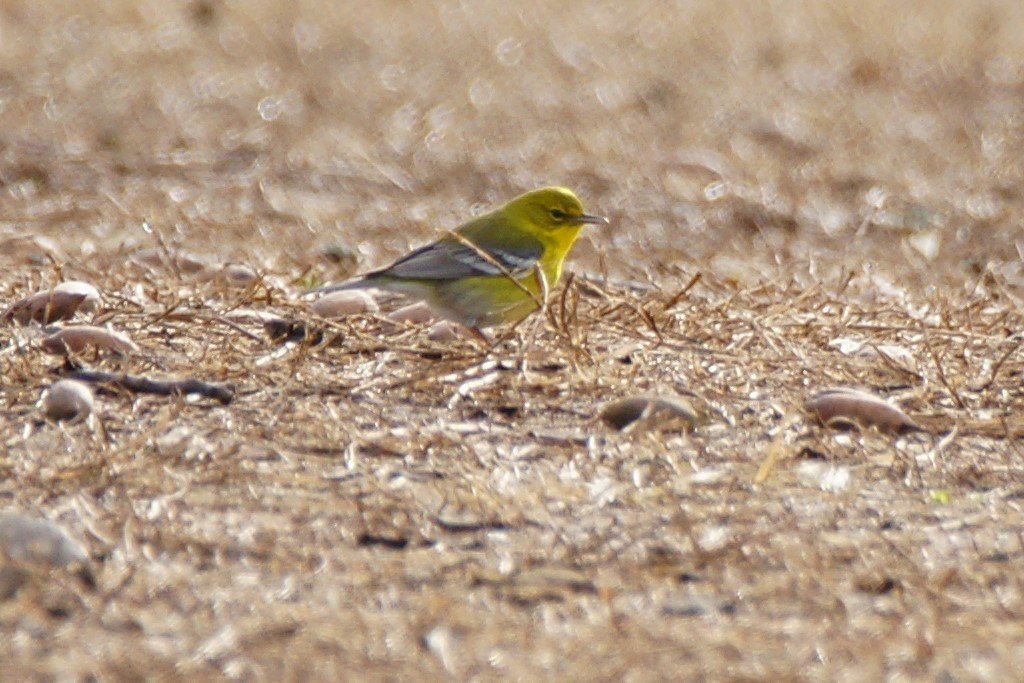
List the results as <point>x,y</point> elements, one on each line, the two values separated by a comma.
<point>802,198</point>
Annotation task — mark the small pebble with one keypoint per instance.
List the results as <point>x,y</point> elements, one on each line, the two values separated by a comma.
<point>26,539</point>
<point>660,412</point>
<point>185,263</point>
<point>418,312</point>
<point>91,295</point>
<point>67,399</point>
<point>445,331</point>
<point>844,407</point>
<point>344,303</point>
<point>238,275</point>
<point>49,306</point>
<point>35,546</point>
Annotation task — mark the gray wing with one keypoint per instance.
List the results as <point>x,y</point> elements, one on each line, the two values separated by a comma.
<point>450,259</point>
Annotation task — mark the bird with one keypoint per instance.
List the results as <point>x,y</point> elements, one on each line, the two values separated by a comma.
<point>495,268</point>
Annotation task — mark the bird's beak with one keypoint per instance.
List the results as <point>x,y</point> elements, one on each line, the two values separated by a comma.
<point>585,218</point>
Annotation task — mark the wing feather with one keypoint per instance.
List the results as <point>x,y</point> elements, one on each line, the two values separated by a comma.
<point>451,259</point>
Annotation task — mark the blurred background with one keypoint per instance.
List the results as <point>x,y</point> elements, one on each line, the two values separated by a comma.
<point>739,137</point>
<point>846,177</point>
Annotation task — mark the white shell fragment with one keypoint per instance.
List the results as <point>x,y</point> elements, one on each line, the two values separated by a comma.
<point>927,243</point>
<point>77,339</point>
<point>67,399</point>
<point>827,477</point>
<point>344,303</point>
<point>174,443</point>
<point>59,303</point>
<point>893,353</point>
<point>252,316</point>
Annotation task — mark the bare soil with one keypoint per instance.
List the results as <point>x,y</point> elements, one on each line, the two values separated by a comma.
<point>803,195</point>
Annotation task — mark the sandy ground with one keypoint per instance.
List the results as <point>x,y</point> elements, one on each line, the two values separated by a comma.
<point>803,195</point>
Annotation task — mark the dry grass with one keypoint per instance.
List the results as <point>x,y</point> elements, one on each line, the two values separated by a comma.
<point>844,182</point>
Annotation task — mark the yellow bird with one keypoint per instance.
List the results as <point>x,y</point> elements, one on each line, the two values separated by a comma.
<point>496,268</point>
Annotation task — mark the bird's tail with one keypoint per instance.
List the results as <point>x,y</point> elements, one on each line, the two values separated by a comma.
<point>357,283</point>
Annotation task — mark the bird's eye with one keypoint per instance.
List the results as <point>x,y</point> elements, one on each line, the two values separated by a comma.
<point>558,214</point>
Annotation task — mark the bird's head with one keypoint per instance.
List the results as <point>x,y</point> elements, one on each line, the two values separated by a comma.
<point>551,210</point>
